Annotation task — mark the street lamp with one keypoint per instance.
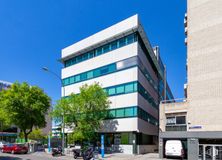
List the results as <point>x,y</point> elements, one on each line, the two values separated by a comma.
<point>63,94</point>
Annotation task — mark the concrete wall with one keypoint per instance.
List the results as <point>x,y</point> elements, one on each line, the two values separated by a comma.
<point>204,64</point>
<point>179,108</point>
<point>142,149</point>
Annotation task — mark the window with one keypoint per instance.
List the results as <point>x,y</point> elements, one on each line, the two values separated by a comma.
<point>113,45</point>
<point>111,91</point>
<point>180,120</point>
<point>99,51</point>
<point>130,39</point>
<point>91,54</point>
<point>77,78</point>
<point>122,42</point>
<point>106,48</point>
<point>129,112</point>
<point>129,88</point>
<point>124,138</point>
<point>89,74</point>
<point>79,58</point>
<point>72,80</point>
<point>66,81</point>
<point>120,89</point>
<point>83,76</point>
<point>85,56</point>
<point>120,113</point>
<point>104,70</point>
<point>112,114</point>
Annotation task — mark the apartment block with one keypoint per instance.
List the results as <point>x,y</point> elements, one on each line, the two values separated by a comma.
<point>196,120</point>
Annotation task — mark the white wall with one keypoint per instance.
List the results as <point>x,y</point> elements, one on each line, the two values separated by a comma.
<point>120,125</point>
<point>121,27</point>
<point>124,100</point>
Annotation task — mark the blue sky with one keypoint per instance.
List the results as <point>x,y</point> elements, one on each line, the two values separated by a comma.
<point>32,34</point>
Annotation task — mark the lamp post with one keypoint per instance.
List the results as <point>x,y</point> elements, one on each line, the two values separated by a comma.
<point>63,94</point>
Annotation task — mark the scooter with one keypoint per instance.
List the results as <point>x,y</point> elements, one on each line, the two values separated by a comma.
<point>57,151</point>
<point>88,154</point>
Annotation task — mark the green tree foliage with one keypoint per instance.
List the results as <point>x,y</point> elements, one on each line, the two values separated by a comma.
<point>25,106</point>
<point>85,111</point>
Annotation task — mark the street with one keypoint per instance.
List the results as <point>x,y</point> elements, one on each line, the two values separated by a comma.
<point>45,156</point>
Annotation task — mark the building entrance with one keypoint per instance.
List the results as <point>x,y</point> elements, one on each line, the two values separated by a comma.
<point>210,152</point>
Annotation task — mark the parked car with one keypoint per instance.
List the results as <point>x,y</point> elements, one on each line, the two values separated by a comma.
<point>15,148</point>
<point>2,143</point>
<point>174,148</point>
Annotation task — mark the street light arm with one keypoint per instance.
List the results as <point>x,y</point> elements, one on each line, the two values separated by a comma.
<point>56,75</point>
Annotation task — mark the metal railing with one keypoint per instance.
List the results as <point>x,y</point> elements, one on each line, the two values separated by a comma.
<point>173,100</point>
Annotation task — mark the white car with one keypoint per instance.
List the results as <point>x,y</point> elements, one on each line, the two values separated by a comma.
<point>174,148</point>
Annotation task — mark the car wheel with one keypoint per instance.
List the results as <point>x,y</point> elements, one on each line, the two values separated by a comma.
<point>13,152</point>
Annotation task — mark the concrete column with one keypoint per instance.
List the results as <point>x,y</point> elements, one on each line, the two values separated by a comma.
<point>161,148</point>
<point>193,148</point>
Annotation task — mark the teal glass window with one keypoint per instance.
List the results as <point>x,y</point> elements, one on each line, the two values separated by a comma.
<point>135,86</point>
<point>112,91</point>
<point>112,114</point>
<point>91,54</point>
<point>113,45</point>
<point>72,80</point>
<point>106,48</point>
<point>66,81</point>
<point>89,74</point>
<point>96,73</point>
<point>129,112</point>
<point>129,88</point>
<point>85,56</point>
<point>120,89</point>
<point>135,109</point>
<point>77,78</point>
<point>99,51</point>
<point>119,113</point>
<point>122,42</point>
<point>130,39</point>
<point>83,76</point>
<point>104,70</point>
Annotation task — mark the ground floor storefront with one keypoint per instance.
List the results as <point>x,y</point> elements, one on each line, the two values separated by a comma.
<point>129,142</point>
<point>199,145</point>
<point>8,137</point>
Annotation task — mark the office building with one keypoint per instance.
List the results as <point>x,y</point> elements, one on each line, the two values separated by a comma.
<point>122,60</point>
<point>197,119</point>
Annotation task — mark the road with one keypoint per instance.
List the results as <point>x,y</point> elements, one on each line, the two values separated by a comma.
<point>33,156</point>
<point>45,156</point>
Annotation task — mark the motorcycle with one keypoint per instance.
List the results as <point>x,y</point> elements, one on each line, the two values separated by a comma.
<point>88,154</point>
<point>57,151</point>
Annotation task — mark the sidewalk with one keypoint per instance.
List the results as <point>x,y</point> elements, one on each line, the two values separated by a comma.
<point>121,156</point>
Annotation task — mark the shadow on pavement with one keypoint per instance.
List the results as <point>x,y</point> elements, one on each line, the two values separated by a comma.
<point>9,158</point>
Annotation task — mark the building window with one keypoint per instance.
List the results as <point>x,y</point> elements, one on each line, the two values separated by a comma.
<point>119,113</point>
<point>120,89</point>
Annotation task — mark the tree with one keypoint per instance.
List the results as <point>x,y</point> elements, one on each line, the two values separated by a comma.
<point>25,106</point>
<point>36,134</point>
<point>85,111</point>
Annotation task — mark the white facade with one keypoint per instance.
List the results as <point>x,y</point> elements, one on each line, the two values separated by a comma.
<point>132,65</point>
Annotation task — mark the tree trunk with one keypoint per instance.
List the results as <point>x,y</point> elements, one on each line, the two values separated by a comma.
<point>26,136</point>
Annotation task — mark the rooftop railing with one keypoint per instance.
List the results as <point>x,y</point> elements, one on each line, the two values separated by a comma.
<point>178,100</point>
